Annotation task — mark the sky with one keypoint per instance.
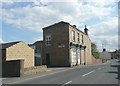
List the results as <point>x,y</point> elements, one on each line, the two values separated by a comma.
<point>23,21</point>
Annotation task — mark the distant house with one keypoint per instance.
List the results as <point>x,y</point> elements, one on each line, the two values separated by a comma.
<point>105,55</point>
<point>38,48</point>
<point>115,54</point>
<point>18,50</point>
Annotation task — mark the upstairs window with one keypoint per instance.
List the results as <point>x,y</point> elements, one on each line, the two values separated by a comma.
<point>73,36</point>
<point>78,37</point>
<point>48,40</point>
<point>82,40</point>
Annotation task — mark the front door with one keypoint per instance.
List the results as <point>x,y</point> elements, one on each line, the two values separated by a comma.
<point>47,59</point>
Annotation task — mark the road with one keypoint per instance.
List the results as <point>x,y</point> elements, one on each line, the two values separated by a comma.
<point>107,73</point>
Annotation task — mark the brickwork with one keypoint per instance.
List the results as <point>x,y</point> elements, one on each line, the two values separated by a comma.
<point>21,51</point>
<point>96,61</point>
<point>85,55</point>
<point>59,51</point>
<point>34,70</point>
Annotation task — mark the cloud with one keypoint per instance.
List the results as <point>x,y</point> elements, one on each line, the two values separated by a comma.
<point>40,16</point>
<point>1,40</point>
<point>37,15</point>
<point>105,28</point>
<point>38,38</point>
<point>105,33</point>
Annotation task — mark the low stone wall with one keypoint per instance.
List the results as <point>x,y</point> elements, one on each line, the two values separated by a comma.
<point>34,70</point>
<point>15,68</point>
<point>96,61</point>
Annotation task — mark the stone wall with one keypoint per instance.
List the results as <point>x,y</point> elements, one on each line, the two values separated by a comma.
<point>34,70</point>
<point>21,51</point>
<point>96,61</point>
<point>15,68</point>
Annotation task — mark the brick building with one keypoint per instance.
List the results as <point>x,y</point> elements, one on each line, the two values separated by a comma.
<point>115,54</point>
<point>65,45</point>
<point>17,51</point>
<point>37,46</point>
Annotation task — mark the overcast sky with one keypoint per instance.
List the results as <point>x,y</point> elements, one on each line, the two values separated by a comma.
<point>24,20</point>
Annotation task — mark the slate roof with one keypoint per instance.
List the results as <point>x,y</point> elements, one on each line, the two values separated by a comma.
<point>63,23</point>
<point>35,43</point>
<point>6,45</point>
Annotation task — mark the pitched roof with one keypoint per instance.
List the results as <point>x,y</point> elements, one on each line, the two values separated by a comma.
<point>74,26</point>
<point>35,43</point>
<point>6,45</point>
<point>55,24</point>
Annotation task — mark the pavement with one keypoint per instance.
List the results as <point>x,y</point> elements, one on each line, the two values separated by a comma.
<point>107,73</point>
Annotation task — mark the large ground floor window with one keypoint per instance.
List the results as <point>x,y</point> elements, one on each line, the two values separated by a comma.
<point>78,52</point>
<point>73,56</point>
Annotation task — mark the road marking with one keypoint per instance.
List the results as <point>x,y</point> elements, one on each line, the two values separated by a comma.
<point>49,70</point>
<point>88,73</point>
<point>99,68</point>
<point>67,83</point>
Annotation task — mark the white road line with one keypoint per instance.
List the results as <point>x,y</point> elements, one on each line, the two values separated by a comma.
<point>99,68</point>
<point>67,83</point>
<point>49,70</point>
<point>88,73</point>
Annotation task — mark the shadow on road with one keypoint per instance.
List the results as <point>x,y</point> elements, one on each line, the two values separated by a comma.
<point>118,70</point>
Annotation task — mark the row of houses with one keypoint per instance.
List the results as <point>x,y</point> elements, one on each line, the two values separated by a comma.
<point>115,54</point>
<point>63,45</point>
<point>106,56</point>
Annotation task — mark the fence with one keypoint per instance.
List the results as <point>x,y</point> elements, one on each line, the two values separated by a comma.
<point>12,68</point>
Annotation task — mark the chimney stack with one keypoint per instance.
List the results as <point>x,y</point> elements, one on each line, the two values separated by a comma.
<point>74,26</point>
<point>86,30</point>
<point>104,49</point>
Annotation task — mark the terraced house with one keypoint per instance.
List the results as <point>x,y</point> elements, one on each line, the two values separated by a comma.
<point>65,45</point>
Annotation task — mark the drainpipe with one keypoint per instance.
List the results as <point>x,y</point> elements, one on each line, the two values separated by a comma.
<point>84,55</point>
<point>77,54</point>
<point>80,55</point>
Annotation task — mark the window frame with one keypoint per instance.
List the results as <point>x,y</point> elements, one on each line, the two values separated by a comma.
<point>73,35</point>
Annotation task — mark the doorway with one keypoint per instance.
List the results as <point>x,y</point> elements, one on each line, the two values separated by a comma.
<point>47,59</point>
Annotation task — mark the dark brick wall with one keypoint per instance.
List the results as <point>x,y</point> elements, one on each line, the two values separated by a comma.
<point>3,54</point>
<point>59,56</point>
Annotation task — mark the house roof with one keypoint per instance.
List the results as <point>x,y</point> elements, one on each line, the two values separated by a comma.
<point>6,45</point>
<point>55,24</point>
<point>74,26</point>
<point>35,43</point>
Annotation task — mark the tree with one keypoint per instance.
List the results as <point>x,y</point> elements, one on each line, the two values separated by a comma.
<point>94,50</point>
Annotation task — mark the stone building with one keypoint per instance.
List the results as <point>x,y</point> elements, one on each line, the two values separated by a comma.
<point>105,55</point>
<point>37,46</point>
<point>115,54</point>
<point>17,51</point>
<point>65,45</point>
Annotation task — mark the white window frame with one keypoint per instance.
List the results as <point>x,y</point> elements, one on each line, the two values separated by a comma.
<point>73,36</point>
<point>47,40</point>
